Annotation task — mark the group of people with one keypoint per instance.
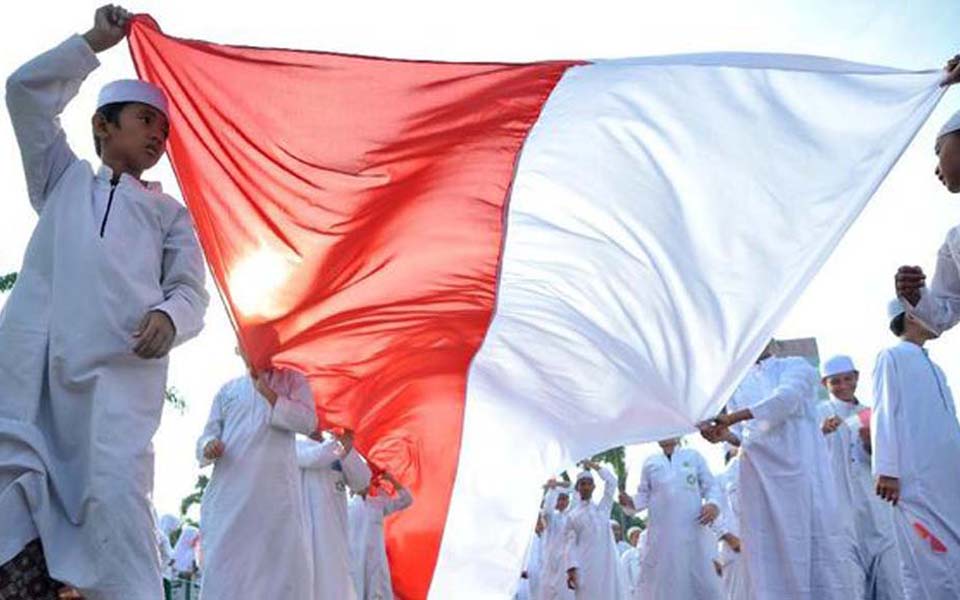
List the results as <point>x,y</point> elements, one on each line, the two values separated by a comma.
<point>266,478</point>
<point>822,501</point>
<point>819,499</point>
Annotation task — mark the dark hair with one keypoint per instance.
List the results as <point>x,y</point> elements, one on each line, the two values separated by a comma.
<point>898,324</point>
<point>110,113</point>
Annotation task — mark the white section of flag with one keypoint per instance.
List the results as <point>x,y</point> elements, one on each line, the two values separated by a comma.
<point>665,215</point>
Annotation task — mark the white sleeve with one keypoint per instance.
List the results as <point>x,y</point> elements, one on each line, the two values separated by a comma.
<point>571,551</point>
<point>37,93</point>
<point>213,430</point>
<point>182,279</point>
<point>356,471</point>
<point>939,306</point>
<point>709,486</point>
<point>886,411</point>
<point>294,409</point>
<point>403,501</point>
<point>610,489</point>
<point>796,386</point>
<point>318,455</point>
<point>642,498</point>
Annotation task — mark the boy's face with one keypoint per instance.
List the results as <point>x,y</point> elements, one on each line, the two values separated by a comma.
<point>585,488</point>
<point>563,502</point>
<point>948,167</point>
<point>634,537</point>
<point>842,386</point>
<point>138,141</point>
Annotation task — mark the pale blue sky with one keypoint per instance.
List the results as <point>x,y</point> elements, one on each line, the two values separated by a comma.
<point>843,308</point>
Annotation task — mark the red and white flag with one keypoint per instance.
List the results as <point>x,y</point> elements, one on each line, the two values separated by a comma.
<point>490,271</point>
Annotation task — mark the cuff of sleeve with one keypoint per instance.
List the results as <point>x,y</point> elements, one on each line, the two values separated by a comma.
<point>886,470</point>
<point>201,446</point>
<point>78,48</point>
<point>179,314</point>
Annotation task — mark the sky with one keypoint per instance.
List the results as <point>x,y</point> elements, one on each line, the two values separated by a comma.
<point>844,307</point>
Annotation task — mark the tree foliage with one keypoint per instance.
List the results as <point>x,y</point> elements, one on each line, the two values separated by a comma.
<point>7,281</point>
<point>173,397</point>
<point>193,498</point>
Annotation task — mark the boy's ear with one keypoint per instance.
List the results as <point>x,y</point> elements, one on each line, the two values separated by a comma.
<point>99,123</point>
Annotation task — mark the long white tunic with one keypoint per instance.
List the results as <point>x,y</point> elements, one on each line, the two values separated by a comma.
<point>368,550</point>
<point>679,561</point>
<point>254,543</point>
<point>875,526</point>
<point>630,565</point>
<point>736,584</point>
<point>529,587</point>
<point>590,546</point>
<point>78,409</point>
<point>839,449</point>
<point>916,438</point>
<point>325,476</point>
<point>792,546</point>
<point>553,570</point>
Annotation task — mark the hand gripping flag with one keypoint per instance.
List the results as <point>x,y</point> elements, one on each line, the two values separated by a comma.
<point>492,270</point>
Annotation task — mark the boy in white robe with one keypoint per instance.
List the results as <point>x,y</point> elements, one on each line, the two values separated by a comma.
<point>736,585</point>
<point>789,514</point>
<point>529,586</point>
<point>679,493</point>
<point>939,306</point>
<point>916,459</point>
<point>556,508</point>
<point>112,278</point>
<point>251,510</point>
<point>630,563</point>
<point>870,520</point>
<point>592,561</point>
<point>327,469</point>
<point>840,378</point>
<point>368,549</point>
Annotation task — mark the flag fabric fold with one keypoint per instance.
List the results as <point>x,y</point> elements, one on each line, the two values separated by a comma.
<point>492,270</point>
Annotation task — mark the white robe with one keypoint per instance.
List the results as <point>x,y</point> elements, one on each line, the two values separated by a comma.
<point>736,584</point>
<point>630,565</point>
<point>679,560</point>
<point>325,476</point>
<point>939,306</point>
<point>164,527</point>
<point>529,588</point>
<point>553,569</point>
<point>875,526</point>
<point>184,551</point>
<point>254,543</point>
<point>368,550</point>
<point>839,448</point>
<point>916,437</point>
<point>590,546</point>
<point>78,409</point>
<point>792,546</point>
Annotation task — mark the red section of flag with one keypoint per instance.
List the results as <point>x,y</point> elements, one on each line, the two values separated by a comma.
<point>352,212</point>
<point>935,544</point>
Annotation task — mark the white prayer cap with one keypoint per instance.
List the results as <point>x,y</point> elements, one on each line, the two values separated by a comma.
<point>563,491</point>
<point>632,530</point>
<point>614,522</point>
<point>169,523</point>
<point>584,475</point>
<point>952,125</point>
<point>895,309</point>
<point>133,90</point>
<point>838,364</point>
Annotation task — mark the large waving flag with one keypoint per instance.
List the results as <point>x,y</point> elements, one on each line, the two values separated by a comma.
<point>492,270</point>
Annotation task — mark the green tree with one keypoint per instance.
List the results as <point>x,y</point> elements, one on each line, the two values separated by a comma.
<point>7,281</point>
<point>173,397</point>
<point>193,498</point>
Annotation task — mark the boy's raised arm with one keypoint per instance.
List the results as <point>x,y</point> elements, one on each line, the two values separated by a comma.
<point>38,92</point>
